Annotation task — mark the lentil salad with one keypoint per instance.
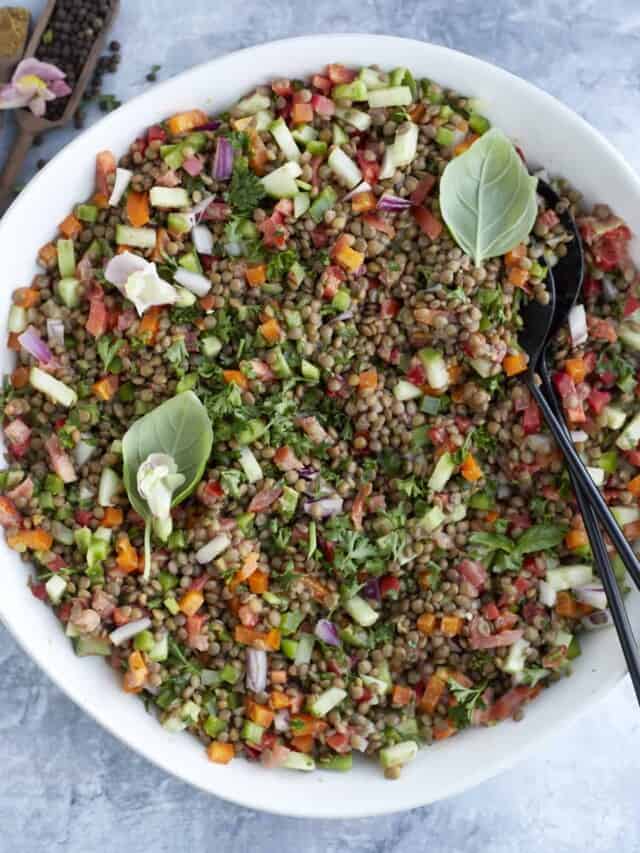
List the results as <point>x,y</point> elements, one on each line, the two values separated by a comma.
<point>365,564</point>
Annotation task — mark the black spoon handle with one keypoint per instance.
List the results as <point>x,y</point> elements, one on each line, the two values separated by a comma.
<point>589,489</point>
<point>601,557</point>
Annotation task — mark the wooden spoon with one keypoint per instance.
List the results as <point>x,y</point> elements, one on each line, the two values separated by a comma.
<point>31,125</point>
<point>10,18</point>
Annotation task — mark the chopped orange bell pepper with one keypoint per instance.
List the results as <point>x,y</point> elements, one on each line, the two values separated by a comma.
<point>302,743</point>
<point>268,641</point>
<point>138,208</point>
<point>451,625</point>
<point>259,582</point>
<point>513,258</point>
<point>349,258</point>
<point>576,368</point>
<point>236,377</point>
<point>633,486</point>
<point>100,200</point>
<point>492,516</point>
<point>444,730</point>
<point>207,303</point>
<point>12,342</point>
<point>136,675</point>
<point>426,623</point>
<point>417,113</point>
<point>47,255</point>
<point>514,364</point>
<point>305,724</point>
<point>518,277</point>
<point>106,387</point>
<point>401,695</point>
<point>368,380</point>
<point>432,694</point>
<point>184,122</point>
<point>70,227</point>
<point>576,539</point>
<point>150,324</point>
<point>363,202</point>
<point>113,517</point>
<point>256,275</point>
<point>36,539</point>
<point>191,602</point>
<point>318,590</point>
<point>470,469</point>
<point>301,113</point>
<point>260,714</point>
<point>566,605</point>
<point>424,580</point>
<point>26,297</point>
<point>220,752</point>
<point>20,377</point>
<point>270,331</point>
<point>127,559</point>
<point>258,153</point>
<point>249,566</point>
<point>279,700</point>
<point>455,373</point>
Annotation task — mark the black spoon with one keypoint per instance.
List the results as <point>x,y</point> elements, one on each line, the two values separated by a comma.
<point>568,275</point>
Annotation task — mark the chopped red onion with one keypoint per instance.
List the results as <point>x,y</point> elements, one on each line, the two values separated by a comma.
<point>209,125</point>
<point>198,210</point>
<point>387,201</point>
<point>131,629</point>
<point>324,508</point>
<point>193,165</point>
<point>547,594</point>
<point>31,341</point>
<point>281,720</point>
<point>202,239</point>
<point>223,160</point>
<point>55,333</point>
<point>327,632</point>
<point>193,281</point>
<point>579,435</point>
<point>578,325</point>
<point>256,670</point>
<point>364,187</point>
<point>372,589</point>
<point>592,594</point>
<point>596,620</point>
<point>308,473</point>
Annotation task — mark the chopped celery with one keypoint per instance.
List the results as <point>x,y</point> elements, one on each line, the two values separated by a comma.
<point>167,197</point>
<point>309,371</point>
<point>354,91</point>
<point>139,238</point>
<point>405,390</point>
<point>445,136</point>
<point>339,136</point>
<point>85,646</point>
<point>298,761</point>
<point>281,183</point>
<point>301,202</point>
<point>290,622</point>
<point>361,612</point>
<point>374,79</point>
<point>87,212</point>
<point>398,754</point>
<point>304,649</point>
<point>445,466</point>
<point>630,436</point>
<point>289,648</point>
<point>432,519</point>
<point>394,96</point>
<point>479,124</point>
<point>252,104</point>
<point>110,485</point>
<point>143,641</point>
<point>356,118</point>
<point>288,501</point>
<point>66,258</point>
<point>342,300</point>
<point>317,148</point>
<point>252,732</point>
<point>405,145</point>
<point>285,140</point>
<point>213,726</point>
<point>337,762</point>
<point>609,462</point>
<point>327,701</point>
<point>279,363</point>
<point>17,319</point>
<point>69,291</point>
<point>172,605</point>
<point>160,650</point>
<point>52,387</point>
<point>304,133</point>
<point>178,223</point>
<point>344,168</point>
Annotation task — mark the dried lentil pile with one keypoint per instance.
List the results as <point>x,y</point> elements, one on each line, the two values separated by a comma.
<point>361,602</point>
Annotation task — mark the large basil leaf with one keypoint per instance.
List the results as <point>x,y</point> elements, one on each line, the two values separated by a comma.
<point>540,537</point>
<point>487,197</point>
<point>179,427</point>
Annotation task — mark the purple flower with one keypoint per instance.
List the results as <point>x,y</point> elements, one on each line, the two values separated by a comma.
<point>32,85</point>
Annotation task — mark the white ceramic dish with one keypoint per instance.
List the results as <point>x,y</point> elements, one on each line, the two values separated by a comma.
<point>550,134</point>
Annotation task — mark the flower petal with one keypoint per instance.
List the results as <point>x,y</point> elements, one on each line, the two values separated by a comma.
<point>59,88</point>
<point>34,67</point>
<point>120,267</point>
<point>146,289</point>
<point>11,97</point>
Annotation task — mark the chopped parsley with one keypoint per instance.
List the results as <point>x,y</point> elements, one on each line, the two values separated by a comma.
<point>108,350</point>
<point>468,698</point>
<point>246,190</point>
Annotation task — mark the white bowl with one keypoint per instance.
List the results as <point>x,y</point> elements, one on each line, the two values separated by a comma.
<point>550,134</point>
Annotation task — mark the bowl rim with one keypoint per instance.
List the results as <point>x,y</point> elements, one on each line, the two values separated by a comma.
<point>507,759</point>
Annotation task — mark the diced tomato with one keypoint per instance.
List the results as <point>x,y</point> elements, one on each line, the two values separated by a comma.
<point>319,237</point>
<point>264,499</point>
<point>38,590</point>
<point>493,641</point>
<point>218,211</point>
<point>318,81</point>
<point>274,233</point>
<point>323,106</point>
<point>97,320</point>
<point>508,704</point>
<point>611,249</point>
<point>261,370</point>
<point>17,432</point>
<point>328,550</point>
<point>339,742</point>
<point>105,166</point>
<point>83,517</point>
<point>286,459</point>
<point>438,435</point>
<point>423,189</point>
<point>9,515</point>
<point>463,424</point>
<point>564,383</point>
<point>389,586</point>
<point>531,419</point>
<point>598,400</point>
<point>416,374</point>
<point>631,306</point>
<point>389,308</point>
<point>505,620</point>
<point>602,330</point>
<point>283,88</point>
<point>61,462</point>
<point>211,492</point>
<point>357,509</point>
<point>549,218</point>
<point>474,572</point>
<point>340,74</point>
<point>633,457</point>
<point>535,566</point>
<point>531,611</point>
<point>156,134</point>
<point>332,278</point>
<point>522,585</point>
<point>23,491</point>
<point>430,224</point>
<point>370,168</point>
<point>591,287</point>
<point>490,611</point>
<point>379,224</point>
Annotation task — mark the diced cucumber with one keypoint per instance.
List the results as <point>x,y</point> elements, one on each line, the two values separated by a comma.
<point>435,368</point>
<point>445,137</point>
<point>281,183</point>
<point>376,685</point>
<point>405,145</point>
<point>251,431</point>
<point>143,641</point>
<point>172,605</point>
<point>353,636</point>
<point>252,732</point>
<point>630,436</point>
<point>285,140</point>
<point>361,612</point>
<point>567,577</point>
<point>250,465</point>
<point>55,586</point>
<point>288,501</point>
<point>339,137</point>
<point>296,274</point>
<point>398,754</point>
<point>213,726</point>
<point>53,388</point>
<point>613,417</point>
<point>609,461</point>
<point>168,197</point>
<point>327,701</point>
<point>458,513</point>
<point>304,649</point>
<point>178,223</point>
<point>374,79</point>
<point>85,646</point>
<point>292,318</point>
<point>87,212</point>
<point>17,319</point>
<point>317,148</point>
<point>184,298</point>
<point>172,155</point>
<point>630,336</point>
<point>191,262</point>
<point>290,622</point>
<point>445,467</point>
<point>160,650</point>
<point>289,648</point>
<point>341,763</point>
<point>354,91</point>
<point>66,258</point>
<point>356,118</point>
<point>432,519</point>
<point>482,366</point>
<point>342,300</point>
<point>304,133</point>
<point>110,485</point>
<point>393,96</point>
<point>279,364</point>
<point>301,203</point>
<point>211,345</point>
<point>478,123</point>
<point>344,168</point>
<point>298,761</point>
<point>516,658</point>
<point>405,390</point>
<point>324,201</point>
<point>252,104</point>
<point>309,371</point>
<point>625,514</point>
<point>69,291</point>
<point>138,238</point>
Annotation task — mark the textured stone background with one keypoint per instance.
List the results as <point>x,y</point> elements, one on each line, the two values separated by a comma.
<point>68,787</point>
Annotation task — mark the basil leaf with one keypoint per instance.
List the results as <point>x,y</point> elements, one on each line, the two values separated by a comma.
<point>491,542</point>
<point>540,537</point>
<point>179,427</point>
<point>487,197</point>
